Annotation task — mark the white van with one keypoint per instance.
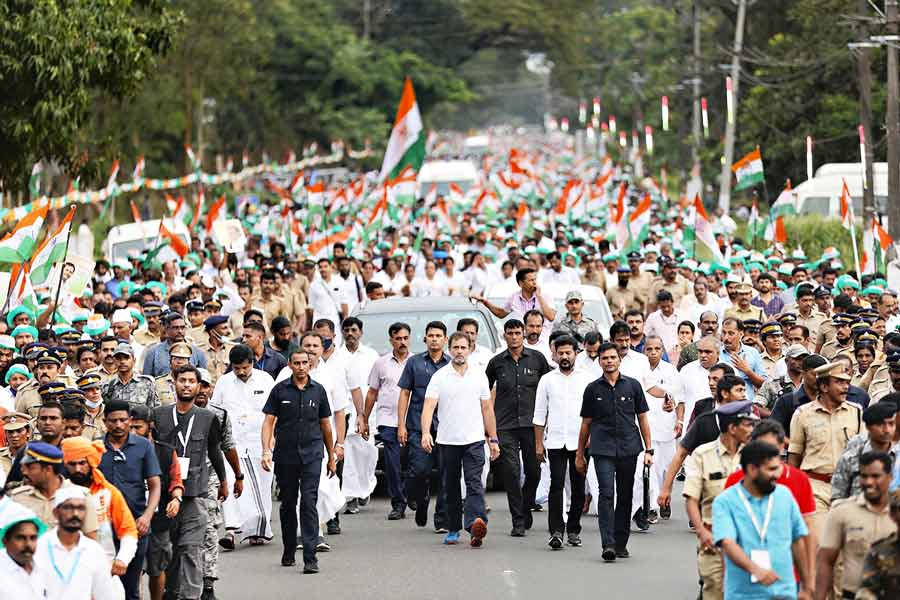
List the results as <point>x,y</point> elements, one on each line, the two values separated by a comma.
<point>444,172</point>
<point>822,194</point>
<point>131,239</point>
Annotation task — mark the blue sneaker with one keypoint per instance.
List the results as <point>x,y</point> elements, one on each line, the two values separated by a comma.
<point>451,539</point>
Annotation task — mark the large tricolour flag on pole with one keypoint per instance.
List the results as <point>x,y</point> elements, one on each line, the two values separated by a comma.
<point>639,222</point>
<point>847,219</point>
<point>620,221</point>
<point>19,244</point>
<point>51,251</point>
<point>748,171</point>
<point>704,234</point>
<point>406,147</point>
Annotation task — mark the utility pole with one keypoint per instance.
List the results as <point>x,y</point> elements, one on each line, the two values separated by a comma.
<point>695,129</point>
<point>367,19</point>
<point>864,79</point>
<point>893,120</point>
<point>730,124</point>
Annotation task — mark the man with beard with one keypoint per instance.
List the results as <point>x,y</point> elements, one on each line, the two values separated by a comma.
<point>241,394</point>
<point>46,370</point>
<point>843,338</point>
<point>881,425</point>
<point>708,324</point>
<point>264,357</point>
<point>19,532</point>
<point>283,337</point>
<point>76,567</point>
<point>706,470</point>
<point>42,467</point>
<point>774,389</point>
<point>623,297</point>
<point>196,435</point>
<point>130,464</point>
<point>156,358</point>
<point>153,331</point>
<point>272,304</point>
<point>534,335</point>
<point>556,421</point>
<point>462,398</point>
<point>758,565</point>
<point>514,375</point>
<point>527,299</point>
<point>118,533</point>
<point>134,388</point>
<point>107,368</point>
<point>17,427</point>
<point>853,526</point>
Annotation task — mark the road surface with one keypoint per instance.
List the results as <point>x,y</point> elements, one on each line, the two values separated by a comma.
<point>376,558</point>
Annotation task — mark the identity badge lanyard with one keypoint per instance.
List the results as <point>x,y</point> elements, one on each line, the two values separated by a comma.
<point>184,461</point>
<point>65,578</point>
<point>759,557</point>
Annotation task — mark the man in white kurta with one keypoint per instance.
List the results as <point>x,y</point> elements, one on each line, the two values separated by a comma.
<point>242,393</point>
<point>662,416</point>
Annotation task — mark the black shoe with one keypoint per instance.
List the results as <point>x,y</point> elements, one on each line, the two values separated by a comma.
<point>288,561</point>
<point>640,520</point>
<point>299,543</point>
<point>537,507</point>
<point>411,504</point>
<point>323,545</point>
<point>622,553</point>
<point>574,540</point>
<point>311,568</point>
<point>665,512</point>
<point>440,530</point>
<point>608,554</point>
<point>517,531</point>
<point>352,507</point>
<point>653,517</point>
<point>680,476</point>
<point>209,592</point>
<point>422,515</point>
<point>333,527</point>
<point>556,541</point>
<point>528,519</point>
<point>363,501</point>
<point>396,514</point>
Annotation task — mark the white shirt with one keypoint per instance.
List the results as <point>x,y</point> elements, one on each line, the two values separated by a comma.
<point>662,423</point>
<point>244,403</point>
<point>7,401</point>
<point>394,285</point>
<point>422,287</point>
<point>665,327</point>
<point>79,574</point>
<point>344,378</point>
<point>694,386</point>
<point>325,299</point>
<point>557,406</point>
<point>19,584</point>
<point>477,279</point>
<point>456,284</point>
<point>459,404</point>
<point>586,363</point>
<point>544,348</point>
<point>357,366</point>
<point>636,366</point>
<point>566,276</point>
<point>349,292</point>
<point>480,357</point>
<point>383,378</point>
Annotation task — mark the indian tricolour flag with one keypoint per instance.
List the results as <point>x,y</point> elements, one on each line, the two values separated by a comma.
<point>51,251</point>
<point>406,146</point>
<point>315,205</point>
<point>876,243</point>
<point>703,233</point>
<point>620,221</point>
<point>403,187</point>
<point>749,170</point>
<point>19,244</point>
<point>639,222</point>
<point>847,219</point>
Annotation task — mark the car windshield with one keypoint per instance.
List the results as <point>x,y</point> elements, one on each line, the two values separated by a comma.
<point>376,327</point>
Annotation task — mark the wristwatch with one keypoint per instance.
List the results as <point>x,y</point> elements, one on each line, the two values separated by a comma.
<point>494,441</point>
<point>239,477</point>
<point>649,451</point>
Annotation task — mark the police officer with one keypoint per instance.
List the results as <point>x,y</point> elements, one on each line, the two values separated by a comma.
<point>296,433</point>
<point>853,525</point>
<point>843,340</point>
<point>46,372</point>
<point>179,356</point>
<point>881,567</point>
<point>820,431</point>
<point>216,345</point>
<point>152,332</point>
<point>881,424</point>
<point>90,385</point>
<point>17,427</point>
<point>706,471</point>
<point>775,389</point>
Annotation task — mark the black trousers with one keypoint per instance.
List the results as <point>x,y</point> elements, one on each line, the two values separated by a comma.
<point>520,497</point>
<point>467,461</point>
<point>560,461</point>
<point>614,474</point>
<point>302,481</point>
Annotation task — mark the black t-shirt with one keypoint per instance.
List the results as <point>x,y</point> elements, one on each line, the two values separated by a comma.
<point>298,435</point>
<point>703,430</point>
<point>516,386</point>
<point>613,411</point>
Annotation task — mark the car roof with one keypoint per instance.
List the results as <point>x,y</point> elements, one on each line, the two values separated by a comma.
<point>406,305</point>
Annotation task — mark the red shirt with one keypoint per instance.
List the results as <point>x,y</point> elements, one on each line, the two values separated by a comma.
<point>794,479</point>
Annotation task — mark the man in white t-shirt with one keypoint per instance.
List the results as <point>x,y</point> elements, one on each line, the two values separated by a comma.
<point>430,284</point>
<point>326,300</point>
<point>462,398</point>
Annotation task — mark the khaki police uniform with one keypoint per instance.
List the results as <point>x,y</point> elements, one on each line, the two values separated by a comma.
<point>640,283</point>
<point>92,433</point>
<point>145,337</point>
<point>28,400</point>
<point>32,498</point>
<point>851,527</point>
<point>769,363</point>
<point>752,312</point>
<point>165,389</point>
<point>706,471</point>
<point>881,384</point>
<point>197,335</point>
<point>622,299</point>
<point>819,437</point>
<point>96,422</point>
<point>678,288</point>
<point>832,348</point>
<point>216,360</point>
<point>813,322</point>
<point>6,460</point>
<point>273,307</point>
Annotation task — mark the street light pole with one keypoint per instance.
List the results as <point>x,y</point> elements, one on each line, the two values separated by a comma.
<point>730,124</point>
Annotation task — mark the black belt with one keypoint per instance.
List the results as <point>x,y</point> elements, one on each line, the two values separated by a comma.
<point>848,595</point>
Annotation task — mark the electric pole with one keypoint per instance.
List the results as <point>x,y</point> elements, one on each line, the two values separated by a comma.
<point>893,120</point>
<point>695,129</point>
<point>731,123</point>
<point>864,78</point>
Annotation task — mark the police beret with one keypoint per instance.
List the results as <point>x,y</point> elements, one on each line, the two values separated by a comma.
<point>214,321</point>
<point>89,381</point>
<point>42,452</point>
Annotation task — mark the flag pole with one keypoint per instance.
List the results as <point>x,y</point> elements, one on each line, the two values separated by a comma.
<point>59,283</point>
<point>855,250</point>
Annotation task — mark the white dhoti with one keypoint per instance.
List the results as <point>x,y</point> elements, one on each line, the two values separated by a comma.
<point>637,497</point>
<point>331,499</point>
<point>251,514</point>
<point>360,459</point>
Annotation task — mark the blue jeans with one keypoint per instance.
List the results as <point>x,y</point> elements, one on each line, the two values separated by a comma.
<point>392,466</point>
<point>468,460</point>
<point>614,474</point>
<point>418,486</point>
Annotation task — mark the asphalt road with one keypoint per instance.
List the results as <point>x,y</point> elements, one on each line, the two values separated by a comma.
<point>376,558</point>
